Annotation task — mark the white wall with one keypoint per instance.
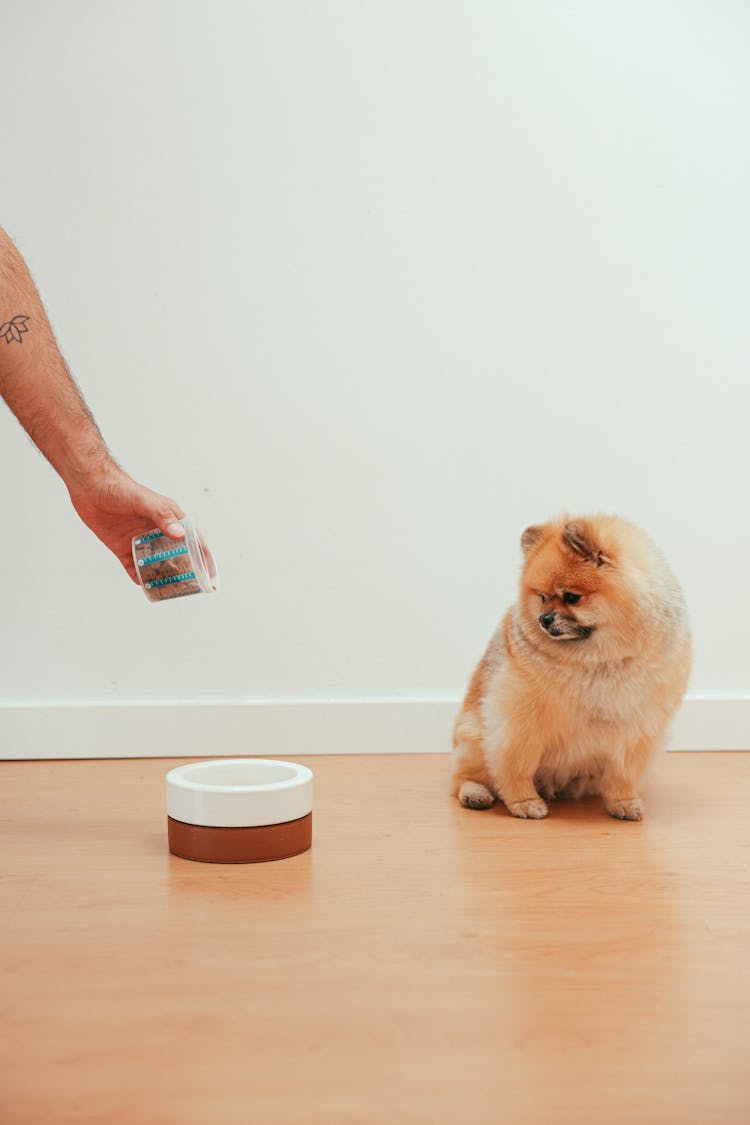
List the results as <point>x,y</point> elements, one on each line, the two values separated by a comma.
<point>370,287</point>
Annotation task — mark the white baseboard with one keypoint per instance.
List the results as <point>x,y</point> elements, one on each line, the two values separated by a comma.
<point>291,728</point>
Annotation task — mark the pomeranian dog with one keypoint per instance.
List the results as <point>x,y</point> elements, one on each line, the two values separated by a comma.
<point>576,689</point>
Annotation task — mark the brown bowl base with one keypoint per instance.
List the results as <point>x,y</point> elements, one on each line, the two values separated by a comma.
<point>239,845</point>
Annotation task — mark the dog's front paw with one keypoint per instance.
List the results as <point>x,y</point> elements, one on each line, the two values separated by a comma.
<point>474,795</point>
<point>532,809</point>
<point>627,809</point>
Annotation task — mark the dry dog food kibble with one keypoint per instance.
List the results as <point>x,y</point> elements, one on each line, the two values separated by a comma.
<point>172,568</point>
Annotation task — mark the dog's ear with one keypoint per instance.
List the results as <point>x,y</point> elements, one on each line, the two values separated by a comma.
<point>530,538</point>
<point>581,539</point>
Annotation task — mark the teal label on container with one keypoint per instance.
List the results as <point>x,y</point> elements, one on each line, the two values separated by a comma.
<point>162,555</point>
<point>147,538</point>
<point>169,581</point>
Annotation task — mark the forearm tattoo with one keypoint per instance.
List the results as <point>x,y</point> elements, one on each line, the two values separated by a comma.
<point>14,329</point>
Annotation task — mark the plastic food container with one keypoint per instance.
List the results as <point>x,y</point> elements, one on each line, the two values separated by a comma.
<point>173,568</point>
<point>239,810</point>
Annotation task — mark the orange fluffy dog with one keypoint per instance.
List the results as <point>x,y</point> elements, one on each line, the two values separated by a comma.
<point>576,689</point>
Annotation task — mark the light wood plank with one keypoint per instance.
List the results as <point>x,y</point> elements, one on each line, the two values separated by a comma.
<point>423,963</point>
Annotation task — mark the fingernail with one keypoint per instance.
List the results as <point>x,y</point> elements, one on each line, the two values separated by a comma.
<point>175,529</point>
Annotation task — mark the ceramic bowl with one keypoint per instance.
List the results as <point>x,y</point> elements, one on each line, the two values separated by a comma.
<point>239,810</point>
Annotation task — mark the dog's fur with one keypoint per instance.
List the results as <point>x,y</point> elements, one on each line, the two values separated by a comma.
<point>574,697</point>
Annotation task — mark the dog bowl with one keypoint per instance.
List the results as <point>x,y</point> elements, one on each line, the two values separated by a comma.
<point>239,810</point>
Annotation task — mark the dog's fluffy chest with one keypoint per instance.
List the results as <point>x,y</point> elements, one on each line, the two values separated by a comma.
<point>607,693</point>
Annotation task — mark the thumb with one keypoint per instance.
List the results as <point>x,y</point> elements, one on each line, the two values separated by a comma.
<point>167,515</point>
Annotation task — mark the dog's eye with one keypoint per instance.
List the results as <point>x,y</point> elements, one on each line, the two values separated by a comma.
<point>543,597</point>
<point>571,599</point>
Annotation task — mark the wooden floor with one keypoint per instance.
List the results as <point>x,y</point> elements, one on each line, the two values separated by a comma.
<point>423,963</point>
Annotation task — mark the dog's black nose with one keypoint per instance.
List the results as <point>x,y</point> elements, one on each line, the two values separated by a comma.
<point>546,620</point>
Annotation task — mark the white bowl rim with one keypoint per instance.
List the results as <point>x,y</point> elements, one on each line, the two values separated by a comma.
<point>177,776</point>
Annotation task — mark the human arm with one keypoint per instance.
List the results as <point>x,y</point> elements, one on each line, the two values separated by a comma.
<point>39,389</point>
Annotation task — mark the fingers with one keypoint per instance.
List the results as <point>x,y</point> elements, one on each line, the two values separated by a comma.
<point>130,570</point>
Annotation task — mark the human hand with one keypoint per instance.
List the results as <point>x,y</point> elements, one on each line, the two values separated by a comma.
<point>115,508</point>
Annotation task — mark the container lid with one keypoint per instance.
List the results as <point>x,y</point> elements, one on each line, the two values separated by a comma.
<point>204,563</point>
